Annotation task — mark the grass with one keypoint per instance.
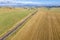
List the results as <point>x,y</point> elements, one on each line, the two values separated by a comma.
<point>44,25</point>
<point>13,34</point>
<point>9,17</point>
<point>45,10</point>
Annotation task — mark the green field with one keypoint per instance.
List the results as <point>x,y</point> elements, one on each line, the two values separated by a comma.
<point>10,16</point>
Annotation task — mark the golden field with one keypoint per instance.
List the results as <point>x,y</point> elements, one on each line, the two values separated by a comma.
<point>44,25</point>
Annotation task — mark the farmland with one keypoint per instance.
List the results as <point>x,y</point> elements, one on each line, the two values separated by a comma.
<point>10,16</point>
<point>44,25</point>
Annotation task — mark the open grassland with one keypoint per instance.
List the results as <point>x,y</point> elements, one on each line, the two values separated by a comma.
<point>10,16</point>
<point>44,25</point>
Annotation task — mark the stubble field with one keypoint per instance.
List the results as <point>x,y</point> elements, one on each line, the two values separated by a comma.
<point>44,25</point>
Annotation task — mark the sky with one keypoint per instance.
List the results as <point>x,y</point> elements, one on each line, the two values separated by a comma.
<point>52,2</point>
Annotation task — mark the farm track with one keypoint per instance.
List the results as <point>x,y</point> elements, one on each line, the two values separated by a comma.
<point>42,26</point>
<point>17,26</point>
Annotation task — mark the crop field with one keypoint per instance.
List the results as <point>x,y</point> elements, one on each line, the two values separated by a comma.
<point>44,25</point>
<point>10,16</point>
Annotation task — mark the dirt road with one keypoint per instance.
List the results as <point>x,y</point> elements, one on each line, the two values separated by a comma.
<point>42,26</point>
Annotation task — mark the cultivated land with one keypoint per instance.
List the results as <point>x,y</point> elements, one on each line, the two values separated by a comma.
<point>10,16</point>
<point>44,25</point>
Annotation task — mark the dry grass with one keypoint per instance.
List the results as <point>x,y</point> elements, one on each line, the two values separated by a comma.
<point>44,25</point>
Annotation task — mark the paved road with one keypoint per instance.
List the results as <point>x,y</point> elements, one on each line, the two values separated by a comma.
<point>42,26</point>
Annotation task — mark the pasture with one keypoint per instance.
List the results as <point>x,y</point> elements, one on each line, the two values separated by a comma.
<point>10,16</point>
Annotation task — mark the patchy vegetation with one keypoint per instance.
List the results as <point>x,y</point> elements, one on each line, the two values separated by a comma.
<point>10,16</point>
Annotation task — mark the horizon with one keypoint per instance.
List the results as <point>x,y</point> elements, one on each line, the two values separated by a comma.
<point>35,2</point>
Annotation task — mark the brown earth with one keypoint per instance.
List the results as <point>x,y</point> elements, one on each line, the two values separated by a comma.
<point>42,26</point>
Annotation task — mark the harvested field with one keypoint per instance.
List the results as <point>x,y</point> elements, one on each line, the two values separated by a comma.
<point>44,25</point>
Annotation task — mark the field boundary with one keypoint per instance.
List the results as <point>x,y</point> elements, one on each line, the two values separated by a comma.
<point>17,26</point>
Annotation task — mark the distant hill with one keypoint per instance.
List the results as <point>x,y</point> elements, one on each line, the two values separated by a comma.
<point>10,4</point>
